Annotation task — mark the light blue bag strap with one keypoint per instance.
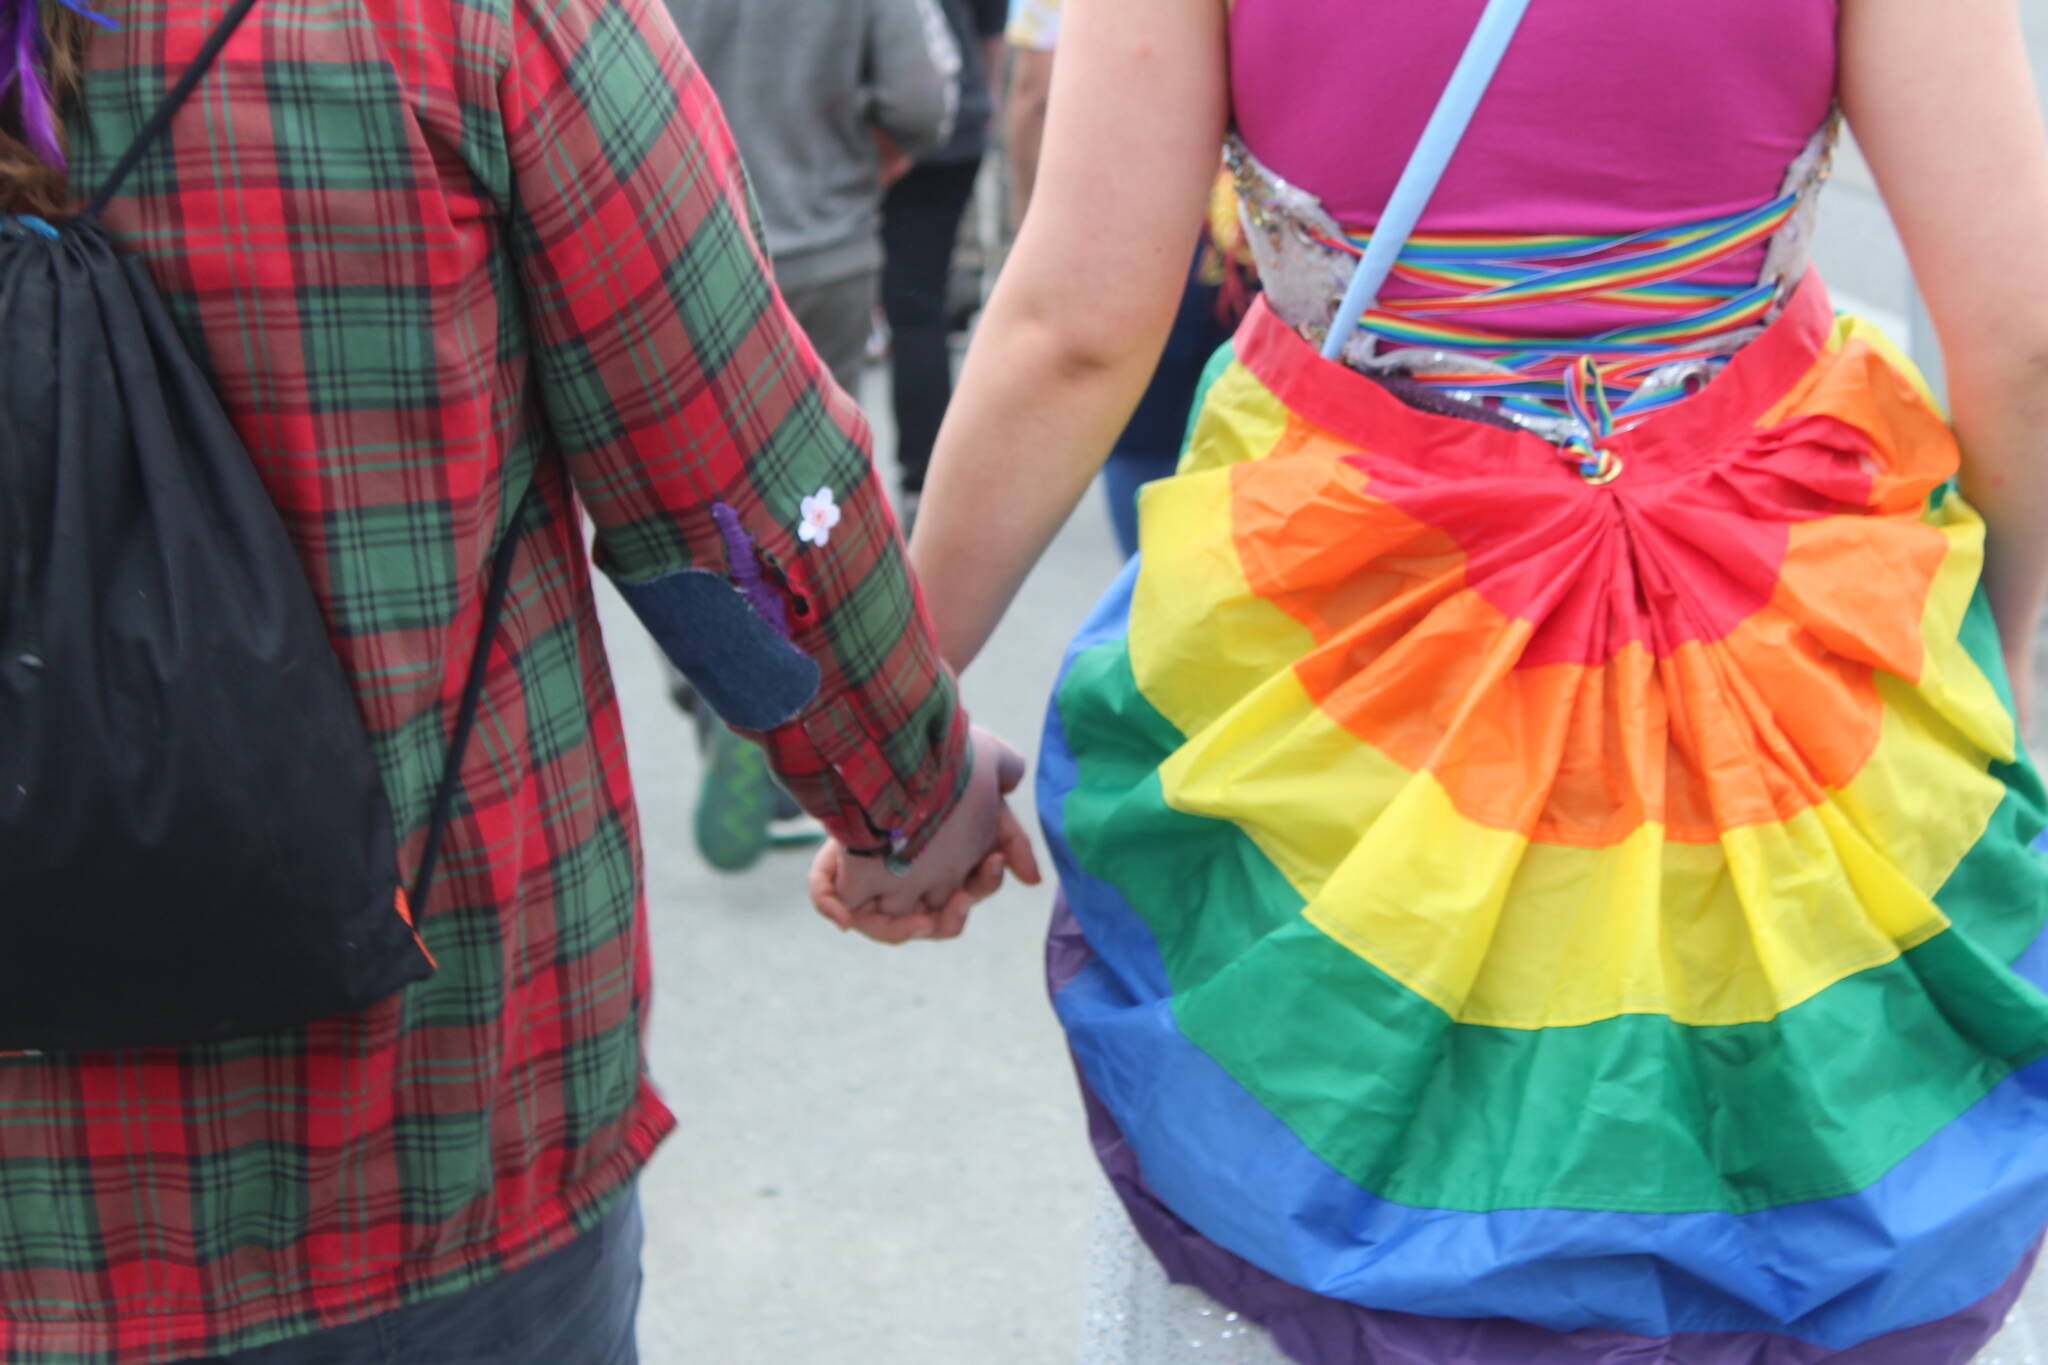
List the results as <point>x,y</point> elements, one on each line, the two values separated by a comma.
<point>1426,168</point>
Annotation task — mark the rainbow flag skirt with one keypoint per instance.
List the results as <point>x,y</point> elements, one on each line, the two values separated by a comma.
<point>1528,922</point>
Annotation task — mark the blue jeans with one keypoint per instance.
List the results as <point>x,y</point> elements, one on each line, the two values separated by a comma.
<point>1150,446</point>
<point>575,1307</point>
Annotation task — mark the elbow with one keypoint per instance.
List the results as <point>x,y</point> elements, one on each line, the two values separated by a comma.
<point>1072,364</point>
<point>2027,366</point>
<point>1074,346</point>
<point>2008,375</point>
<point>1994,348</point>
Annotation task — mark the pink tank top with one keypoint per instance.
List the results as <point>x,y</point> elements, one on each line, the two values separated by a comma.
<point>1605,118</point>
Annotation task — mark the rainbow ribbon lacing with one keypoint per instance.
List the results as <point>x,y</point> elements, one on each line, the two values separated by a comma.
<point>1596,381</point>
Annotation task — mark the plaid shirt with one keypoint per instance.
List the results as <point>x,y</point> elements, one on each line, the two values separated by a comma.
<point>437,252</point>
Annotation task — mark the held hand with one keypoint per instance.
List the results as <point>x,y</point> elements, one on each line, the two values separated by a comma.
<point>976,828</point>
<point>947,921</point>
<point>963,865</point>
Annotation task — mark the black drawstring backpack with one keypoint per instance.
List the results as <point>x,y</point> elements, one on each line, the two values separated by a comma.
<point>194,840</point>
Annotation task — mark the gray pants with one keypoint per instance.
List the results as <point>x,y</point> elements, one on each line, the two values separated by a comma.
<point>838,316</point>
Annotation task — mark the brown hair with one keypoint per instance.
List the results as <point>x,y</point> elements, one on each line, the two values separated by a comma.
<point>28,184</point>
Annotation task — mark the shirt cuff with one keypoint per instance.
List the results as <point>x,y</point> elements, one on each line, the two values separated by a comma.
<point>827,751</point>
<point>864,800</point>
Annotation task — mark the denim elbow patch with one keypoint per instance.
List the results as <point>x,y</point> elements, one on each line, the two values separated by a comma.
<point>753,677</point>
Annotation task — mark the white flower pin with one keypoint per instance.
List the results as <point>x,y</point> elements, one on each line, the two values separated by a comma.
<point>821,514</point>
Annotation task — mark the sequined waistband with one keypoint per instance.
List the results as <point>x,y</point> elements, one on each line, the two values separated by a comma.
<point>1570,389</point>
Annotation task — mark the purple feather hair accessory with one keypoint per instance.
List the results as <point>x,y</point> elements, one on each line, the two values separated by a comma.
<point>21,71</point>
<point>24,77</point>
<point>746,569</point>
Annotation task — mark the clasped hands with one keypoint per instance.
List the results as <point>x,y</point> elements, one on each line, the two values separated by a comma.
<point>962,866</point>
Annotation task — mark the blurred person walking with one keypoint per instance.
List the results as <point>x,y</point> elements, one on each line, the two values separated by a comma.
<point>921,218</point>
<point>458,274</point>
<point>823,96</point>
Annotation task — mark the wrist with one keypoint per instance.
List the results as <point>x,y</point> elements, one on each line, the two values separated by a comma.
<point>897,849</point>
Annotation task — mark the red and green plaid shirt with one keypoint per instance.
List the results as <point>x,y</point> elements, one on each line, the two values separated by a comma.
<point>435,253</point>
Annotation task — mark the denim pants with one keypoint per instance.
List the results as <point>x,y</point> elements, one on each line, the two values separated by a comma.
<point>575,1307</point>
<point>1150,446</point>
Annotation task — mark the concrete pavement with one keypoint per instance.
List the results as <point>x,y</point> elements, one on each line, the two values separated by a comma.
<point>880,1159</point>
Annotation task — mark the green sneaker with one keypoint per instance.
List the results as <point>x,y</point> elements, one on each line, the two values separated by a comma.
<point>735,803</point>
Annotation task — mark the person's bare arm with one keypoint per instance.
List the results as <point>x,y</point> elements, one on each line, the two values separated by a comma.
<point>1944,106</point>
<point>1081,312</point>
<point>1024,126</point>
<point>993,51</point>
<point>989,21</point>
